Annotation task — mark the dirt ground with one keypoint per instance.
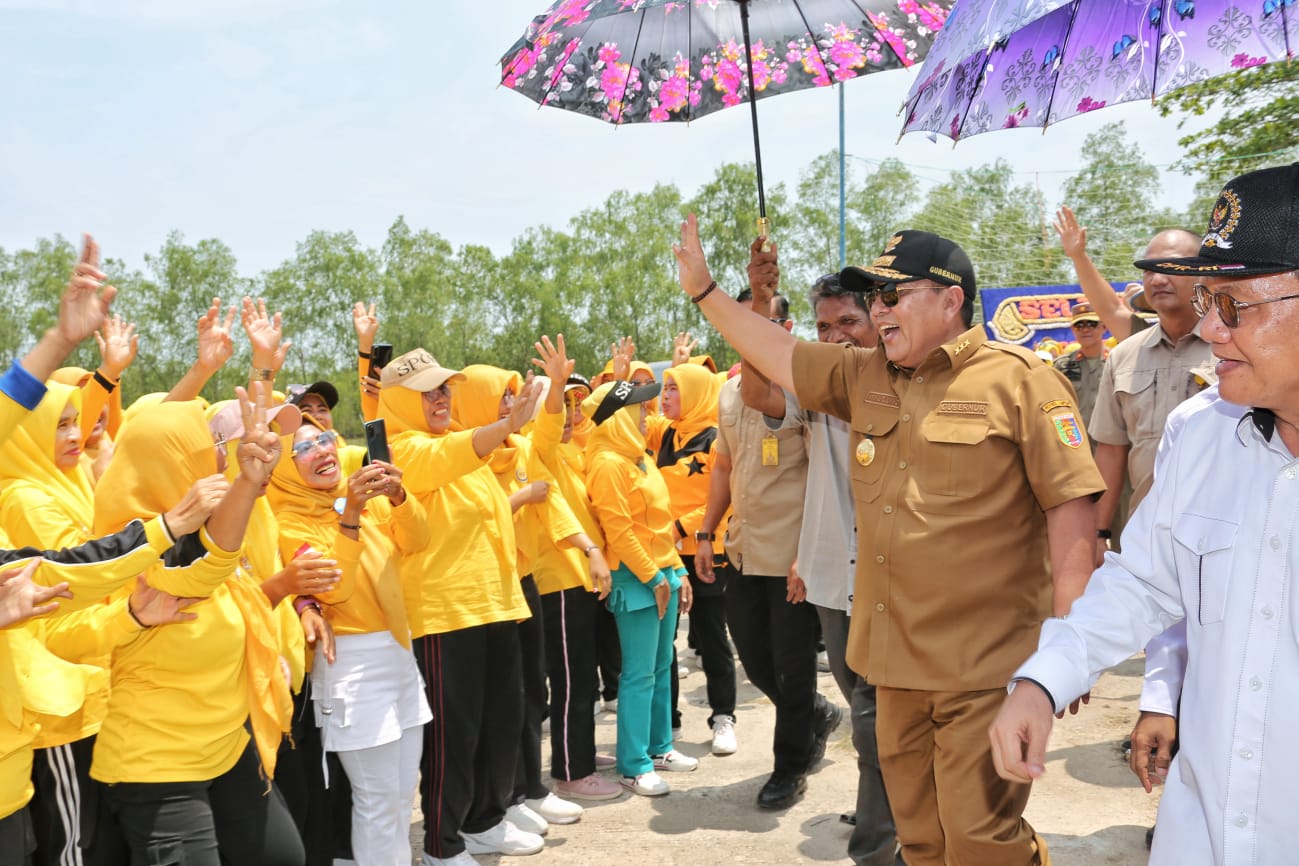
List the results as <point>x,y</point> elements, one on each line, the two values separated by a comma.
<point>1089,806</point>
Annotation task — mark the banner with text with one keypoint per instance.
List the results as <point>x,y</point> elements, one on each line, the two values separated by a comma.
<point>1026,314</point>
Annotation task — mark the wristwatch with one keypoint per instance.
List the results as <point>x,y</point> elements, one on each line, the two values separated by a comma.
<point>1104,533</point>
<point>700,535</point>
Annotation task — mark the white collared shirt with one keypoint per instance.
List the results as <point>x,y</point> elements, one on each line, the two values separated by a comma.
<point>1215,542</point>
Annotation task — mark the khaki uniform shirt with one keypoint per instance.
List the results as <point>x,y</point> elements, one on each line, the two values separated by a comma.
<point>953,466</point>
<point>768,483</point>
<point>1084,374</point>
<point>1146,377</point>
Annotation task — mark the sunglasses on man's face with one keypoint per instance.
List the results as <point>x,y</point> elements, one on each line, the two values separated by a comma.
<point>1202,299</point>
<point>1085,325</point>
<point>889,293</point>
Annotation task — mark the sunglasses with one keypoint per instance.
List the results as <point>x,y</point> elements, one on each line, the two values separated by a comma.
<point>1086,325</point>
<point>1228,307</point>
<point>889,293</point>
<point>323,441</point>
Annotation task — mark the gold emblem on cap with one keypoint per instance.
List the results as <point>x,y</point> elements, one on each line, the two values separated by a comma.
<point>865,452</point>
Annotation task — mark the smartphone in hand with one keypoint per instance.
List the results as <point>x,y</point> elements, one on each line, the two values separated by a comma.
<point>380,355</point>
<point>376,441</point>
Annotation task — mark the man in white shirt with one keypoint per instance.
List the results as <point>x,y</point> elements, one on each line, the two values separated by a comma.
<point>1214,544</point>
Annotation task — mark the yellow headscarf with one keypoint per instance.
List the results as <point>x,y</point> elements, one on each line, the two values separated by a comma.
<point>28,457</point>
<point>289,494</point>
<point>477,403</point>
<point>162,451</point>
<point>699,390</point>
<point>619,433</point>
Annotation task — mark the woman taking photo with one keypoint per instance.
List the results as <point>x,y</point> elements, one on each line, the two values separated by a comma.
<point>630,499</point>
<point>370,702</point>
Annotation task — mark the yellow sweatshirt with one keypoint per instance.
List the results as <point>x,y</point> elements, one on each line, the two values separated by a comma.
<point>466,576</point>
<point>368,597</point>
<point>538,528</point>
<point>560,568</point>
<point>181,695</point>
<point>628,495</point>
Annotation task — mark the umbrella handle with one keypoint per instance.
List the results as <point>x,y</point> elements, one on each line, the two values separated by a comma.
<point>764,232</point>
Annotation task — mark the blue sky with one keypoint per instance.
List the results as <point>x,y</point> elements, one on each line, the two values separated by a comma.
<point>257,121</point>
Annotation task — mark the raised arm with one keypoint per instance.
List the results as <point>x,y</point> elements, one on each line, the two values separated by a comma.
<point>1100,294</point>
<point>265,335</point>
<point>767,346</point>
<point>82,310</point>
<point>215,347</point>
<point>366,324</point>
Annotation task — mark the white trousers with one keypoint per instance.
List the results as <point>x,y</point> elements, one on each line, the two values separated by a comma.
<point>383,796</point>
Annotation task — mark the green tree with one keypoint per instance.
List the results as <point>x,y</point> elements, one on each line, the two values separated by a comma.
<point>1113,195</point>
<point>30,284</point>
<point>998,222</point>
<point>1256,128</point>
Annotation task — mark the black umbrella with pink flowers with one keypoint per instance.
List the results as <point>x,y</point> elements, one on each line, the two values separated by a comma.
<point>663,61</point>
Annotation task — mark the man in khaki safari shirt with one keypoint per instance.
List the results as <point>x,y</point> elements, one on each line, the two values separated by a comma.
<point>971,471</point>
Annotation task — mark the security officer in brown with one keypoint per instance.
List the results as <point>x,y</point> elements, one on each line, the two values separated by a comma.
<point>971,471</point>
<point>1083,366</point>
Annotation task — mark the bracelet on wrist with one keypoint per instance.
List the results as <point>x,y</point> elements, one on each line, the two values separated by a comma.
<point>262,374</point>
<point>303,602</point>
<point>108,384</point>
<point>1104,533</point>
<point>135,618</point>
<point>354,526</point>
<point>587,550</point>
<point>365,355</point>
<point>694,299</point>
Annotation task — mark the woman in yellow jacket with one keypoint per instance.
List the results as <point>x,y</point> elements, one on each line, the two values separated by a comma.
<point>630,499</point>
<point>182,778</point>
<point>571,590</point>
<point>46,502</point>
<point>464,602</point>
<point>369,703</point>
<point>683,440</point>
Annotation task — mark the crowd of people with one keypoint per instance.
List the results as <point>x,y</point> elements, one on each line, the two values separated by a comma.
<point>229,636</point>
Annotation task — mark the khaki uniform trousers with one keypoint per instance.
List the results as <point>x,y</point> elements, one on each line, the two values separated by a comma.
<point>949,804</point>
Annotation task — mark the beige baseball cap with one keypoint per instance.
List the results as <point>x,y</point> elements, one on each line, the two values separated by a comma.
<point>417,370</point>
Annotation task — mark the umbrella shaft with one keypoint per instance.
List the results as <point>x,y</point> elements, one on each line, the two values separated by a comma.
<point>753,107</point>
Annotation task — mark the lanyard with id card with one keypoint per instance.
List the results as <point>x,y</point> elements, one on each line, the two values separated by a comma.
<point>770,450</point>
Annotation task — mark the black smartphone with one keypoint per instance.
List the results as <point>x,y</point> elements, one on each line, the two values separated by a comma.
<point>380,355</point>
<point>376,441</point>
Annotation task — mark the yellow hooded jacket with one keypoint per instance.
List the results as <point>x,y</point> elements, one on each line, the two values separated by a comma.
<point>368,597</point>
<point>181,694</point>
<point>628,494</point>
<point>466,576</point>
<point>538,528</point>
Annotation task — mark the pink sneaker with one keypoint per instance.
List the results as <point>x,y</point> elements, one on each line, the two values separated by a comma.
<point>604,762</point>
<point>593,787</point>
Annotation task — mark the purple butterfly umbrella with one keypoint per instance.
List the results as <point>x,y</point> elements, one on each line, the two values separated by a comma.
<point>1000,64</point>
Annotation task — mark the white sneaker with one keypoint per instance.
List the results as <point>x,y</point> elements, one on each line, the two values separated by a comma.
<point>610,707</point>
<point>504,838</point>
<point>523,816</point>
<point>555,810</point>
<point>682,672</point>
<point>646,784</point>
<point>464,858</point>
<point>823,662</point>
<point>724,735</point>
<point>675,762</point>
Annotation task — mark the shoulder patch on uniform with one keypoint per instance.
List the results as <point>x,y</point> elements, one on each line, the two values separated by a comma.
<point>881,399</point>
<point>1027,358</point>
<point>962,407</point>
<point>1052,405</point>
<point>1068,429</point>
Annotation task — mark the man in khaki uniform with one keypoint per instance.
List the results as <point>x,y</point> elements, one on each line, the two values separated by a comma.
<point>968,456</point>
<point>1083,367</point>
<point>1145,378</point>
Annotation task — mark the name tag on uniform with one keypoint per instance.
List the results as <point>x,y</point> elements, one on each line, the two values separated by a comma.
<point>770,450</point>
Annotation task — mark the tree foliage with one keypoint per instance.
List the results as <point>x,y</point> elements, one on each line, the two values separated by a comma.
<point>608,272</point>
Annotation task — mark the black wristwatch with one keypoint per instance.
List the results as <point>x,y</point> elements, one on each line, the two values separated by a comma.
<point>1104,533</point>
<point>700,535</point>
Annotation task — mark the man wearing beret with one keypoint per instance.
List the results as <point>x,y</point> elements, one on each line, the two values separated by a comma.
<point>970,470</point>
